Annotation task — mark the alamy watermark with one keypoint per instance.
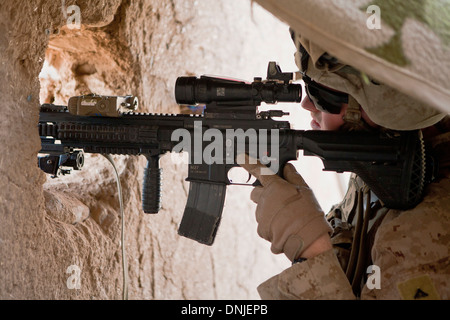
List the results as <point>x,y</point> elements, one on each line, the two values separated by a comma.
<point>74,280</point>
<point>374,21</point>
<point>222,146</point>
<point>72,14</point>
<point>374,279</point>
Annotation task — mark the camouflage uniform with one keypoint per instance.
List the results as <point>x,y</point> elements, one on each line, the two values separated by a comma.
<point>409,249</point>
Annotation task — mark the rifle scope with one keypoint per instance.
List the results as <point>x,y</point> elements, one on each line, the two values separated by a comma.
<point>206,90</point>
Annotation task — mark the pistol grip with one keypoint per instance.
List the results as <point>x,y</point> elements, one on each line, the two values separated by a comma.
<point>203,212</point>
<point>151,189</point>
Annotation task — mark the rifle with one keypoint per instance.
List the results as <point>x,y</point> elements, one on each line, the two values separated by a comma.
<point>391,163</point>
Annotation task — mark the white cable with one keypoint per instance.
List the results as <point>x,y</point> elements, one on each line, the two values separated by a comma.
<point>124,256</point>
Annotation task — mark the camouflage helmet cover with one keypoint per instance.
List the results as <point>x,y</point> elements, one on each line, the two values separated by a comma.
<point>384,105</point>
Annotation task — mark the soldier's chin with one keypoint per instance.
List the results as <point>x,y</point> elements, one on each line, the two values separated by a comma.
<point>315,125</point>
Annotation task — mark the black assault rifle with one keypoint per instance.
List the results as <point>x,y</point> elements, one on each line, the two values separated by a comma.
<point>392,164</point>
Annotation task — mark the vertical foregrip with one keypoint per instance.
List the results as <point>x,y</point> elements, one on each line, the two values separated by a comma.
<point>151,189</point>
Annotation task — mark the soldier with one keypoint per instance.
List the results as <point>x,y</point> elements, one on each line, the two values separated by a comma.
<point>360,249</point>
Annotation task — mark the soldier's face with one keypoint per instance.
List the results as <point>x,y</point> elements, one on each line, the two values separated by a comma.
<point>323,120</point>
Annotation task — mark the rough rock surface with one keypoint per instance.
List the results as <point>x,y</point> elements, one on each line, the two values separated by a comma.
<point>123,47</point>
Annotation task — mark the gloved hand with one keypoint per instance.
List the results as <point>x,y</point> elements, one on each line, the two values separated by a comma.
<point>287,212</point>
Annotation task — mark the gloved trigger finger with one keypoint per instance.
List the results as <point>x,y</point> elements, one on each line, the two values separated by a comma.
<point>292,176</point>
<point>255,168</point>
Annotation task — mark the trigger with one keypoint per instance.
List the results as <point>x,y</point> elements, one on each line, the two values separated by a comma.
<point>257,184</point>
<point>249,178</point>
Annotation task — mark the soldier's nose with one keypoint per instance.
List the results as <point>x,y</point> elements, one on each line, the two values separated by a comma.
<point>307,104</point>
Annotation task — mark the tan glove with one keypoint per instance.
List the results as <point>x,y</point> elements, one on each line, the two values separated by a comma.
<point>288,213</point>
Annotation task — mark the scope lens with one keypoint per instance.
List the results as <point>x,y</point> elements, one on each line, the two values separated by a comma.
<point>184,90</point>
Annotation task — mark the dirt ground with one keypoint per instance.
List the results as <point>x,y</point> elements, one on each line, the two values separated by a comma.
<point>53,231</point>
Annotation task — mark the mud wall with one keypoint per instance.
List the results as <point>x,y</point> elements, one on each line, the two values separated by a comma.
<point>52,230</point>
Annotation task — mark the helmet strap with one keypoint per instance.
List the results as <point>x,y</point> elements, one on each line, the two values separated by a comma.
<point>352,117</point>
